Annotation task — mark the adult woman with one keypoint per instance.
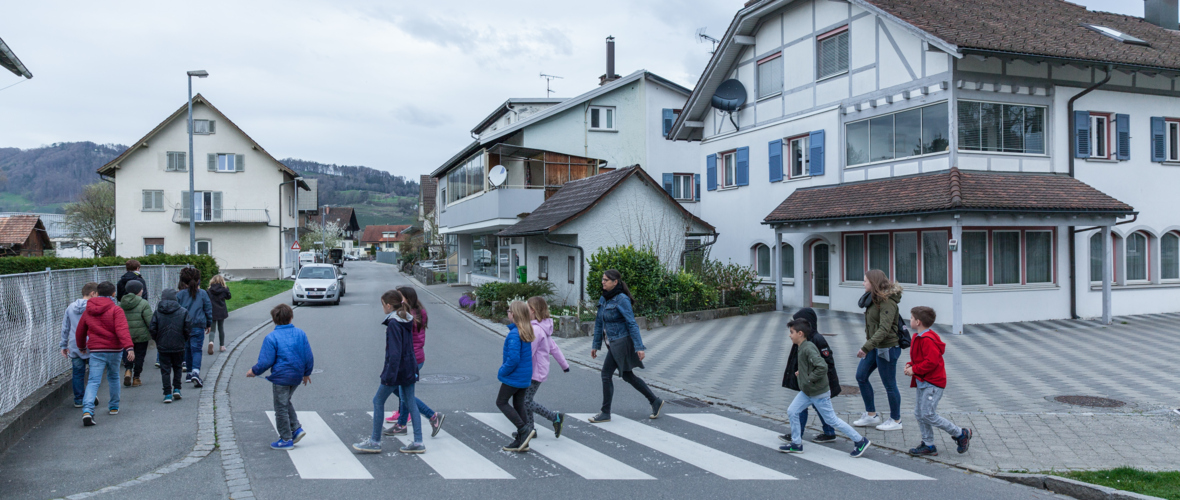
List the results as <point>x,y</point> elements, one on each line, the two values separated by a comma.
<point>880,350</point>
<point>616,322</point>
<point>200,314</point>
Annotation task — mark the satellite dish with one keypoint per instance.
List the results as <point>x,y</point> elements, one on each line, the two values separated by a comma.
<point>730,96</point>
<point>498,175</point>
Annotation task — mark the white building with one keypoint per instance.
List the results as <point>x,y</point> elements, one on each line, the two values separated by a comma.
<point>877,133</point>
<point>244,198</point>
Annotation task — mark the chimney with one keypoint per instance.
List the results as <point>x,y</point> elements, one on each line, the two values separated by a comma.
<point>610,75</point>
<point>1162,13</point>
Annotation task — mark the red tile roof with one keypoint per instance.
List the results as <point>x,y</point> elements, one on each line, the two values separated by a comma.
<point>373,234</point>
<point>15,229</point>
<point>946,191</point>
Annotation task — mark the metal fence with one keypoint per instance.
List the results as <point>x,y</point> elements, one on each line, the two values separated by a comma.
<point>32,306</point>
<point>388,257</point>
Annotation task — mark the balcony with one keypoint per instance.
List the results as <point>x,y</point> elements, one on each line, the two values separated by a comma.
<point>224,216</point>
<point>491,209</point>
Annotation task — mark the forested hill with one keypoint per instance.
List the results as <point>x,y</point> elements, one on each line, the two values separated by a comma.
<point>348,185</point>
<point>50,175</point>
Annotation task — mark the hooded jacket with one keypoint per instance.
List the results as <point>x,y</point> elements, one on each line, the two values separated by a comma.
<point>543,346</point>
<point>287,354</point>
<point>200,308</point>
<point>103,327</point>
<point>516,369</point>
<point>790,381</point>
<point>400,366</point>
<point>419,334</point>
<point>121,286</point>
<point>69,325</point>
<point>139,316</point>
<point>170,325</point>
<point>926,352</point>
<point>881,321</point>
<point>218,294</point>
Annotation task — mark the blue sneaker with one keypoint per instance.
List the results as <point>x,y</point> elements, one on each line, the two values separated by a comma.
<point>859,448</point>
<point>176,394</point>
<point>791,448</point>
<point>924,451</point>
<point>415,448</point>
<point>964,441</point>
<point>283,444</point>
<point>367,446</point>
<point>557,425</point>
<point>167,398</point>
<point>299,433</point>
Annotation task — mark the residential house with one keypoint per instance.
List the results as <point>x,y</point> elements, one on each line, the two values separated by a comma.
<point>243,204</point>
<point>427,194</point>
<point>345,219</point>
<point>24,236</point>
<point>622,207</point>
<point>385,238</point>
<point>982,154</point>
<point>65,244</point>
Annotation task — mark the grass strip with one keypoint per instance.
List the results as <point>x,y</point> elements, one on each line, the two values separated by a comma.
<point>247,292</point>
<point>1157,484</point>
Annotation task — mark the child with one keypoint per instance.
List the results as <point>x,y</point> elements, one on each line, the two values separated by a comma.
<point>928,374</point>
<point>102,332</point>
<point>69,345</point>
<point>790,381</point>
<point>418,331</point>
<point>218,294</point>
<point>399,375</point>
<point>139,315</point>
<point>516,373</point>
<point>542,347</point>
<point>170,329</point>
<point>287,354</point>
<point>813,385</point>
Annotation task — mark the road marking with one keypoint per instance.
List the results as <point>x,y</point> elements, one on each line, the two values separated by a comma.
<point>717,462</point>
<point>577,457</point>
<point>822,455</point>
<point>321,454</point>
<point>450,458</point>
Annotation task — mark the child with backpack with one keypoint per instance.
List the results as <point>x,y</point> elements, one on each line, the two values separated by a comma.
<point>287,354</point>
<point>928,375</point>
<point>170,329</point>
<point>139,315</point>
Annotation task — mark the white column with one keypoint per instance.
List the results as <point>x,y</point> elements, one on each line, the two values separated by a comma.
<point>1107,275</point>
<point>957,278</point>
<point>778,273</point>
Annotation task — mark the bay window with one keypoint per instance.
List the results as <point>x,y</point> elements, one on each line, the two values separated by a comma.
<point>1006,257</point>
<point>465,180</point>
<point>905,258</point>
<point>913,132</point>
<point>934,258</point>
<point>996,127</point>
<point>879,252</point>
<point>974,248</point>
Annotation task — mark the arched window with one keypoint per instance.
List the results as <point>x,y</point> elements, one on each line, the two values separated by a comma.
<point>1096,257</point>
<point>762,260</point>
<point>1170,256</point>
<point>787,261</point>
<point>1137,257</point>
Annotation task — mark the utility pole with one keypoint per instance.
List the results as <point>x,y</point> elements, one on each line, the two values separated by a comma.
<point>548,79</point>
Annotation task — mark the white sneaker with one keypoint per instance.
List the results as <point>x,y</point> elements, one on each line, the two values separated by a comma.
<point>866,420</point>
<point>890,425</point>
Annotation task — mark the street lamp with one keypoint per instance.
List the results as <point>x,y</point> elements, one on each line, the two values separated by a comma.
<point>295,186</point>
<point>192,201</point>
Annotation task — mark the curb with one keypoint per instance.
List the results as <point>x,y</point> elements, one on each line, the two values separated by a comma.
<point>33,409</point>
<point>1071,487</point>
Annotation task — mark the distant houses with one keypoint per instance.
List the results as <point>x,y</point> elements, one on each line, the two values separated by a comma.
<point>23,235</point>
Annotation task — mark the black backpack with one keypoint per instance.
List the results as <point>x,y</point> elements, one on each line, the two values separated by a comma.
<point>903,334</point>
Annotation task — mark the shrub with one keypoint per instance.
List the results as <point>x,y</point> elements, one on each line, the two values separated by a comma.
<point>641,270</point>
<point>15,265</point>
<point>497,291</point>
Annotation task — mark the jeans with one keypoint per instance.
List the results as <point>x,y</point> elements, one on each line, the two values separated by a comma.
<point>136,367</point>
<point>79,371</point>
<point>608,384</point>
<point>888,372</point>
<point>926,413</point>
<point>823,406</point>
<point>192,351</point>
<point>285,419</point>
<point>403,412</point>
<point>170,370</point>
<point>405,392</point>
<point>828,430</point>
<point>100,362</point>
<point>515,411</point>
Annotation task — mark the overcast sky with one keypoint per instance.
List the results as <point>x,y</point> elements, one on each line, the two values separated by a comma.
<point>392,85</point>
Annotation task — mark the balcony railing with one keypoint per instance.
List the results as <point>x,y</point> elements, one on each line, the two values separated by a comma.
<point>224,216</point>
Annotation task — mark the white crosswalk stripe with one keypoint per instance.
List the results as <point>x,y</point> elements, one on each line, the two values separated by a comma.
<point>450,458</point>
<point>704,457</point>
<point>577,457</point>
<point>822,455</point>
<point>321,454</point>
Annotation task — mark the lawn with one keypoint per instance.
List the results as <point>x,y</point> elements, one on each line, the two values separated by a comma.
<point>1160,484</point>
<point>247,292</point>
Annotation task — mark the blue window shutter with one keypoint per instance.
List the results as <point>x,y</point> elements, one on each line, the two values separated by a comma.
<point>697,178</point>
<point>1123,136</point>
<point>1081,134</point>
<point>776,160</point>
<point>711,172</point>
<point>1157,139</point>
<point>742,166</point>
<point>668,184</point>
<point>816,161</point>
<point>669,119</point>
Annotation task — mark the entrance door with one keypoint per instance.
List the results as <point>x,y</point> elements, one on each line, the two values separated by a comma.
<point>819,274</point>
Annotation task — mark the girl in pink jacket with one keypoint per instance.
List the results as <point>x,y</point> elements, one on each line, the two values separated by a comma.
<point>543,347</point>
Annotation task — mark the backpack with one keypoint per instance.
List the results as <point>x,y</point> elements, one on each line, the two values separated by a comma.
<point>903,334</point>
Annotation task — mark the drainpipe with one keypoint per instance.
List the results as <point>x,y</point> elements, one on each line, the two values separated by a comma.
<point>714,234</point>
<point>581,268</point>
<point>1073,272</point>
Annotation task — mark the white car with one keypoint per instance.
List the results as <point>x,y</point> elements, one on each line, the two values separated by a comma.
<point>318,283</point>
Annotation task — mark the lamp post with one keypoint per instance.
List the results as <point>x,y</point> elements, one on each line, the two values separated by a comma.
<point>192,202</point>
<point>295,189</point>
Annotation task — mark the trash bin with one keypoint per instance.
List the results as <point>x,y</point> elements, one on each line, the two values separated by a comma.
<point>522,274</point>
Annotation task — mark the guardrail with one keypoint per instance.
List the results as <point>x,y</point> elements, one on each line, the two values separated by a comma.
<point>224,216</point>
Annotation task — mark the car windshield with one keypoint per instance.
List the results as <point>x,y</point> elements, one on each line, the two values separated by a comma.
<point>317,273</point>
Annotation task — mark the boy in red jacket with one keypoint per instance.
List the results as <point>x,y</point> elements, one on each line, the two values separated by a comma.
<point>103,333</point>
<point>928,374</point>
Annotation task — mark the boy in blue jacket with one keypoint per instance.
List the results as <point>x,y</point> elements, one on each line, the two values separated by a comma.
<point>287,354</point>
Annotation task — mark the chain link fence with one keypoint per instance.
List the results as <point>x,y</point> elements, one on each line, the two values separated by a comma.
<point>32,306</point>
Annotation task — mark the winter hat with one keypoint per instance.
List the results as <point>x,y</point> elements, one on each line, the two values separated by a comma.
<point>168,294</point>
<point>134,287</point>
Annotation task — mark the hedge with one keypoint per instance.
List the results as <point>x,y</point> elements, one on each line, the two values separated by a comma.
<point>15,265</point>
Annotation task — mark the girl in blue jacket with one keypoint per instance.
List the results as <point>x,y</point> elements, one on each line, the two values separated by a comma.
<point>399,375</point>
<point>200,313</point>
<point>516,374</point>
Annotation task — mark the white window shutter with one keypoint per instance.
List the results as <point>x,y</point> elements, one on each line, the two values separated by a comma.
<point>186,201</point>
<point>240,163</point>
<point>147,200</point>
<point>211,122</point>
<point>217,205</point>
<point>182,162</point>
<point>158,200</point>
<point>212,162</point>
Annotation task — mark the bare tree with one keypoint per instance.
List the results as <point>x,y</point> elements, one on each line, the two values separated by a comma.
<point>653,227</point>
<point>91,219</point>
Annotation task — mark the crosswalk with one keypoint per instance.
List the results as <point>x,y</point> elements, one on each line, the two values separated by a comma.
<point>726,454</point>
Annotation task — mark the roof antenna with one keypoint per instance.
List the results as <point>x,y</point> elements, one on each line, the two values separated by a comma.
<point>701,37</point>
<point>549,78</point>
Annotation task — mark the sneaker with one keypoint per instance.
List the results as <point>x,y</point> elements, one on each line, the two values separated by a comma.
<point>176,394</point>
<point>367,446</point>
<point>413,448</point>
<point>786,438</point>
<point>298,434</point>
<point>87,419</point>
<point>157,364</point>
<point>222,348</point>
<point>210,349</point>
<point>859,448</point>
<point>791,448</point>
<point>127,378</point>
<point>113,411</point>
<point>283,444</point>
<point>197,382</point>
<point>529,434</point>
<point>515,445</point>
<point>77,404</point>
<point>823,438</point>
<point>135,382</point>
<point>435,425</point>
<point>656,408</point>
<point>924,451</point>
<point>600,418</point>
<point>890,425</point>
<point>866,420</point>
<point>167,399</point>
<point>557,425</point>
<point>964,441</point>
<point>393,418</point>
<point>395,430</point>
<point>188,376</point>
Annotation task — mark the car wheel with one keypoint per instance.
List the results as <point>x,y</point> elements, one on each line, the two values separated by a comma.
<point>295,303</point>
<point>337,301</point>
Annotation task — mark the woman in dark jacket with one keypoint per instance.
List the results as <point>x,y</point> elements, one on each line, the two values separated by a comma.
<point>616,322</point>
<point>218,294</point>
<point>790,381</point>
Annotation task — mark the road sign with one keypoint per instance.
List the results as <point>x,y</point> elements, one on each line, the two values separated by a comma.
<point>295,246</point>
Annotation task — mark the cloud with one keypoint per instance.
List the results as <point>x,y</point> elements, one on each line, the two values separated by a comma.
<point>416,116</point>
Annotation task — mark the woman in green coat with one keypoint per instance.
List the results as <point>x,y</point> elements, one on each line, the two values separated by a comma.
<point>880,350</point>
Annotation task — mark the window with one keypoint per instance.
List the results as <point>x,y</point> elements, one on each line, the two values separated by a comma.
<point>934,258</point>
<point>484,248</point>
<point>1038,257</point>
<point>1100,136</point>
<point>1008,128</point>
<point>207,205</point>
<point>1137,256</point>
<point>729,166</point>
<point>465,180</point>
<point>854,257</point>
<point>153,200</point>
<point>204,247</point>
<point>1117,35</point>
<point>798,161</point>
<point>879,252</point>
<point>203,127</point>
<point>905,257</point>
<point>913,132</point>
<point>762,260</point>
<point>1170,257</point>
<point>225,163</point>
<point>786,260</point>
<point>152,246</point>
<point>1096,256</point>
<point>682,186</point>
<point>974,248</point>
<point>770,75</point>
<point>571,268</point>
<point>543,268</point>
<point>602,118</point>
<point>1172,136</point>
<point>177,162</point>
<point>832,53</point>
<point>1006,257</point>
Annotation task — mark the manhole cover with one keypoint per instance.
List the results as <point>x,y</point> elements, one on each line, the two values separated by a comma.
<point>849,390</point>
<point>446,378</point>
<point>1092,401</point>
<point>689,403</point>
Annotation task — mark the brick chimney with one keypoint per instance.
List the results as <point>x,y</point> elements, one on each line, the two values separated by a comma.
<point>1162,13</point>
<point>610,75</point>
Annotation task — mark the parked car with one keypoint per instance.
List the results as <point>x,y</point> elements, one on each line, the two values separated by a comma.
<point>306,258</point>
<point>336,257</point>
<point>318,283</point>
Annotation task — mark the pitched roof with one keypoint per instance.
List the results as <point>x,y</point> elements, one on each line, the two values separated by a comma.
<point>1040,27</point>
<point>344,217</point>
<point>577,197</point>
<point>953,191</point>
<point>375,234</point>
<point>15,229</point>
<point>9,61</point>
<point>428,190</point>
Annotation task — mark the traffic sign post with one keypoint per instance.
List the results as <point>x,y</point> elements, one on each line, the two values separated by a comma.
<point>295,246</point>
